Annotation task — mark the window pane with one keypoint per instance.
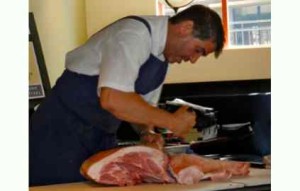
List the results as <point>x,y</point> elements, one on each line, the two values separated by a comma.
<point>249,22</point>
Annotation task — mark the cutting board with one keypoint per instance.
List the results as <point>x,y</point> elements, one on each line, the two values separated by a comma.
<point>256,177</point>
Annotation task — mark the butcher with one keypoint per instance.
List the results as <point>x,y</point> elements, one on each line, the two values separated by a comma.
<point>116,75</point>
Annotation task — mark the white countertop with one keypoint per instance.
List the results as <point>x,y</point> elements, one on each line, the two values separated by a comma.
<point>256,177</point>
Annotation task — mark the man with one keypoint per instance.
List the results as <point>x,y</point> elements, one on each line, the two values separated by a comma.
<point>116,75</point>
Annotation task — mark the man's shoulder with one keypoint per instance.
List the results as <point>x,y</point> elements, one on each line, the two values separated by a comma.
<point>151,19</point>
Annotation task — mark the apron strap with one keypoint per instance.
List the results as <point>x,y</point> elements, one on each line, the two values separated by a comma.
<point>141,20</point>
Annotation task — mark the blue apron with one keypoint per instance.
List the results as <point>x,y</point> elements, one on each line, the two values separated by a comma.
<point>70,125</point>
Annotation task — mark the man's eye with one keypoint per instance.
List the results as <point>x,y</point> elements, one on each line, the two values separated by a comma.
<point>200,50</point>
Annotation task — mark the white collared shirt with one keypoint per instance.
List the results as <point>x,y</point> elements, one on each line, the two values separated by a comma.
<point>117,52</point>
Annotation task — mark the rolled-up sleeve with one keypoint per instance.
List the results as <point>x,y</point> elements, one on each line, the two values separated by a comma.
<point>122,56</point>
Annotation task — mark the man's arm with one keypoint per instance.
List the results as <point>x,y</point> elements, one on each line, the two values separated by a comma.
<point>129,106</point>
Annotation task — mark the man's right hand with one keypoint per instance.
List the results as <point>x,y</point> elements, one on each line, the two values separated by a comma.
<point>184,121</point>
<point>131,107</point>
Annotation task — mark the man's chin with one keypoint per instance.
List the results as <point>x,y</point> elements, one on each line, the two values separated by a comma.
<point>174,62</point>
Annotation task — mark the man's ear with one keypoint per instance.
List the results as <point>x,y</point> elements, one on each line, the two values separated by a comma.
<point>186,27</point>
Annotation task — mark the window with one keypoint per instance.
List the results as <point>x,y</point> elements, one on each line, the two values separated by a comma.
<point>249,21</point>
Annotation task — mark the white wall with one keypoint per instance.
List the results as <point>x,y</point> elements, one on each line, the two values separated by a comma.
<point>61,27</point>
<point>232,64</point>
<point>100,13</point>
<point>65,24</point>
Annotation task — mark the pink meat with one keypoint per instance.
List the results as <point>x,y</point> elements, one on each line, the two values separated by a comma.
<point>133,168</point>
<point>141,164</point>
<point>190,169</point>
<point>129,166</point>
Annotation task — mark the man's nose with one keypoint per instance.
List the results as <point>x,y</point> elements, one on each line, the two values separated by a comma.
<point>194,58</point>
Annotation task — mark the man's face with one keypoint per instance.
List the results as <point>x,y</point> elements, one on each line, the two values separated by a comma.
<point>189,48</point>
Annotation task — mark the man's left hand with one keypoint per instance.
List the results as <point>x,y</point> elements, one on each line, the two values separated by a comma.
<point>152,139</point>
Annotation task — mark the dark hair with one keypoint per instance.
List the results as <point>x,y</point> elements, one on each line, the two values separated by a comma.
<point>207,24</point>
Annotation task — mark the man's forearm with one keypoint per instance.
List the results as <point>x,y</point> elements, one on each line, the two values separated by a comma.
<point>132,108</point>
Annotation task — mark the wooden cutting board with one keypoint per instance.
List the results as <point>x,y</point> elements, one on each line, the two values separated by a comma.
<point>256,177</point>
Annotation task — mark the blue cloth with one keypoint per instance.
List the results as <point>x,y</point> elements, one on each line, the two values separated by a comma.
<point>261,109</point>
<point>70,125</point>
<point>151,75</point>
